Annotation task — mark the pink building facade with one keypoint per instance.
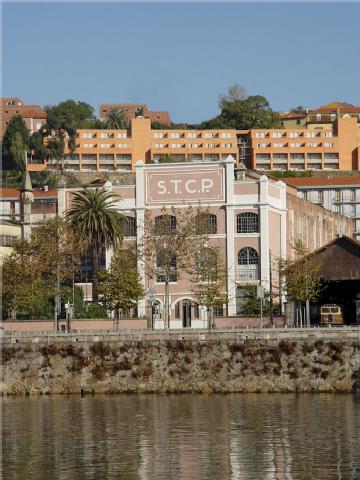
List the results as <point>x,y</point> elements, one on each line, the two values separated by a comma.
<point>250,229</point>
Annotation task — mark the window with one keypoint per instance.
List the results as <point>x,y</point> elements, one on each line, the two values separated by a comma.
<point>87,135</point>
<point>158,135</point>
<point>260,135</point>
<point>278,145</point>
<point>352,194</point>
<point>104,145</point>
<point>277,135</point>
<point>226,135</point>
<point>176,145</point>
<point>210,145</point>
<point>261,145</point>
<point>321,196</point>
<point>328,134</point>
<point>328,145</point>
<point>297,156</point>
<point>293,134</point>
<point>175,135</point>
<point>248,263</point>
<point>295,145</point>
<point>104,135</point>
<point>159,145</point>
<point>122,145</point>
<point>209,135</point>
<point>337,195</point>
<point>352,210</point>
<point>247,222</point>
<point>311,134</point>
<point>313,145</point>
<point>89,145</point>
<point>129,226</point>
<point>164,224</point>
<point>166,267</point>
<point>194,145</point>
<point>6,240</point>
<point>227,145</point>
<point>192,135</point>
<point>122,135</point>
<point>206,223</point>
<point>314,156</point>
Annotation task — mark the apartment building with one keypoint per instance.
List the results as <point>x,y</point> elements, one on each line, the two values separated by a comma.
<point>132,110</point>
<point>34,116</point>
<point>322,117</point>
<point>340,194</point>
<point>332,148</point>
<point>119,150</point>
<point>249,223</point>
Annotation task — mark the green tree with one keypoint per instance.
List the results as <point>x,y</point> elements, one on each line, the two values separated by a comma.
<point>299,109</point>
<point>120,287</point>
<point>94,213</point>
<point>209,280</point>
<point>116,119</point>
<point>69,115</point>
<point>242,112</point>
<point>15,144</point>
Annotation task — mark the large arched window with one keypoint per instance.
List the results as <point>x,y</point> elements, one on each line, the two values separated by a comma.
<point>129,226</point>
<point>248,264</point>
<point>247,222</point>
<point>164,224</point>
<point>206,223</point>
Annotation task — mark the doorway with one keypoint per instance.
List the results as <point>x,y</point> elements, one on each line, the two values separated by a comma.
<point>186,310</point>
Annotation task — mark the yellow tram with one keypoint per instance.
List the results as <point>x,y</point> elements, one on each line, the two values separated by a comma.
<point>331,314</point>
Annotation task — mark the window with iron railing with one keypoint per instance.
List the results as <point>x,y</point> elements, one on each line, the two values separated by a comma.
<point>248,264</point>
<point>247,222</point>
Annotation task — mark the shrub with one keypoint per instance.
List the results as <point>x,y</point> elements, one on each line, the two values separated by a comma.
<point>101,349</point>
<point>49,349</point>
<point>98,372</point>
<point>287,346</point>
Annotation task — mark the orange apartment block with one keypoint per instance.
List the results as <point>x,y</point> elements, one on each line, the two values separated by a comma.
<point>332,148</point>
<point>34,116</point>
<point>119,150</point>
<point>130,109</point>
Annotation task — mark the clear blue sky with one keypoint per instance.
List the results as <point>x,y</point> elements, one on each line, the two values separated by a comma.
<point>179,57</point>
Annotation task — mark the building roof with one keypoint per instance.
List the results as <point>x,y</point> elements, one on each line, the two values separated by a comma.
<point>333,107</point>
<point>292,115</point>
<point>322,181</point>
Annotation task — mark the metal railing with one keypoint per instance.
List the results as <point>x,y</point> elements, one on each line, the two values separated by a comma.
<point>250,333</point>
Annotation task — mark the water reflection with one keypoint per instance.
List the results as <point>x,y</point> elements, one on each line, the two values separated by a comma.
<point>185,437</point>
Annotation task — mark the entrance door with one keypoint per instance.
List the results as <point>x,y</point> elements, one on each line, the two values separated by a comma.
<point>186,308</point>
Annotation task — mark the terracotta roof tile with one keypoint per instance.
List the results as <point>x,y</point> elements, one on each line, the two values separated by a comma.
<point>322,181</point>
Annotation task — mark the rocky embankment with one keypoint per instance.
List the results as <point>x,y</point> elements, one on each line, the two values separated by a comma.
<point>181,366</point>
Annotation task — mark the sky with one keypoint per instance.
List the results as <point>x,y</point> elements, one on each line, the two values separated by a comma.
<point>180,57</point>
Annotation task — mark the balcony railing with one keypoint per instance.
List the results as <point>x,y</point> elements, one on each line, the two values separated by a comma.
<point>247,273</point>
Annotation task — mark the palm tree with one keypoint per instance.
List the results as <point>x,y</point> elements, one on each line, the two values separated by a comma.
<point>94,213</point>
<point>117,119</point>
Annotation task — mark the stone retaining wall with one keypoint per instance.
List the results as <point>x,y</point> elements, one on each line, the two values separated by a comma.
<point>181,366</point>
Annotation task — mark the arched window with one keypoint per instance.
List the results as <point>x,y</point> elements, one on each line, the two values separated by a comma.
<point>247,222</point>
<point>165,267</point>
<point>129,226</point>
<point>248,264</point>
<point>164,224</point>
<point>206,223</point>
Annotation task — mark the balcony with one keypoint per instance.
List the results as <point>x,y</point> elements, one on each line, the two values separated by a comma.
<point>247,273</point>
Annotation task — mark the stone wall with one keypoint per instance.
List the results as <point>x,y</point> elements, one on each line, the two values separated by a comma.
<point>181,366</point>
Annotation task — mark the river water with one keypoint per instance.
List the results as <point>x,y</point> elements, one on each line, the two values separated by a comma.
<point>189,437</point>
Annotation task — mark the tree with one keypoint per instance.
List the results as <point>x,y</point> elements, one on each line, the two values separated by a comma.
<point>242,112</point>
<point>120,288</point>
<point>69,115</point>
<point>15,143</point>
<point>169,245</point>
<point>94,213</point>
<point>235,93</point>
<point>301,277</point>
<point>299,109</point>
<point>209,280</point>
<point>116,119</point>
<point>36,269</point>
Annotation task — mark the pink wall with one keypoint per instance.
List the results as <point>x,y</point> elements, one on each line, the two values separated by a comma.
<point>79,325</point>
<point>243,322</point>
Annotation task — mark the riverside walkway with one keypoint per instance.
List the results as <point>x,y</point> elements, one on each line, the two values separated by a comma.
<point>277,334</point>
